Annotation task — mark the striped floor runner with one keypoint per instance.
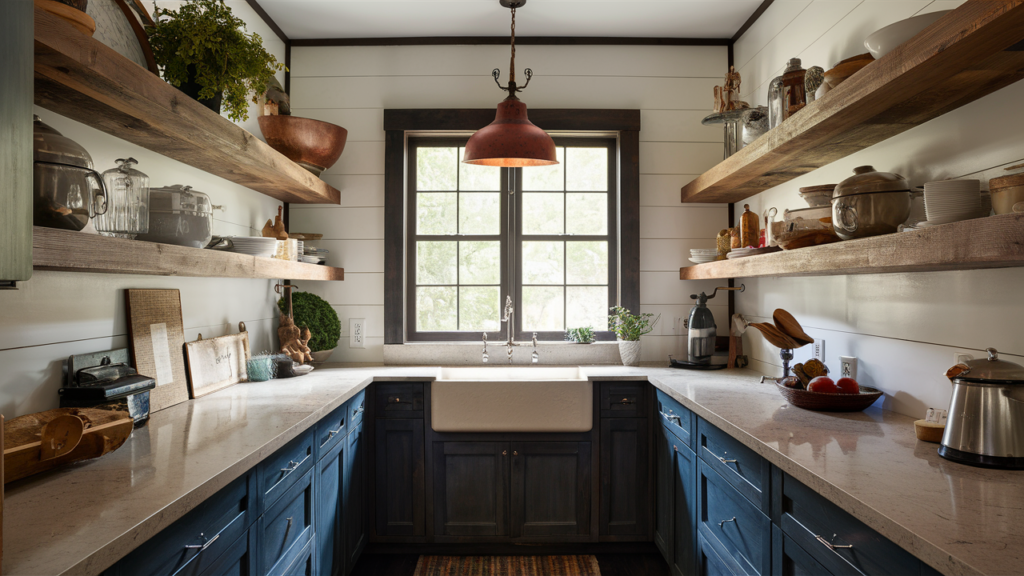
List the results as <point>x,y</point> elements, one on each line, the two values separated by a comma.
<point>507,566</point>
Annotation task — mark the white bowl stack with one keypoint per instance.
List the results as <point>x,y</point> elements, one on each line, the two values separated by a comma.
<point>739,253</point>
<point>951,201</point>
<point>254,246</point>
<point>703,255</point>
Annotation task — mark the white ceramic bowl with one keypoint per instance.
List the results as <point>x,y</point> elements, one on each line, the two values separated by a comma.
<point>886,39</point>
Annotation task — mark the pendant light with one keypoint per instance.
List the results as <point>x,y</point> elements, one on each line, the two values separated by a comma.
<point>511,141</point>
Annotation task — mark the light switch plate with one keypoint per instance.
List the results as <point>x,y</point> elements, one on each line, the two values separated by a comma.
<point>357,332</point>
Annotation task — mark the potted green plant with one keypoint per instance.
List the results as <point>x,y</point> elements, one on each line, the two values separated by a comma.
<point>203,49</point>
<point>313,312</point>
<point>584,335</point>
<point>629,327</point>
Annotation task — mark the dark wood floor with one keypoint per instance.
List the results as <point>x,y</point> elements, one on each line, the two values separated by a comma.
<point>610,564</point>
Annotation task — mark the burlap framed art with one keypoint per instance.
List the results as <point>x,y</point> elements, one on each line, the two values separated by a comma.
<point>156,338</point>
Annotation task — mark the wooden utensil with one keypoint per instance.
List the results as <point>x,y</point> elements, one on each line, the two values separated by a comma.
<point>775,337</point>
<point>788,325</point>
<point>60,436</point>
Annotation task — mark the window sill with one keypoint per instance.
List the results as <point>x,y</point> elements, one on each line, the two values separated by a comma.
<point>471,353</point>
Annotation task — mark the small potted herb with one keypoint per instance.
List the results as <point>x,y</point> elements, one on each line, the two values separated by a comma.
<point>584,335</point>
<point>203,49</point>
<point>629,328</point>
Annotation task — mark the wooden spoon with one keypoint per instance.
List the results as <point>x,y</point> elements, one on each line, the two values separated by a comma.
<point>775,337</point>
<point>60,436</point>
<point>785,322</point>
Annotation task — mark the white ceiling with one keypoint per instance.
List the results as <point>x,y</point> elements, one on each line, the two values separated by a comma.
<point>404,18</point>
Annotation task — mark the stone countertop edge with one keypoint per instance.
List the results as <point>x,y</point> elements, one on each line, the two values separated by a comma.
<point>358,378</point>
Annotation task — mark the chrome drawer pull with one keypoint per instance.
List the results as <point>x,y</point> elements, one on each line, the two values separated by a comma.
<point>202,546</point>
<point>292,465</point>
<point>673,418</point>
<point>733,519</point>
<point>720,459</point>
<point>830,545</point>
<point>360,409</point>
<point>332,433</point>
<point>676,448</point>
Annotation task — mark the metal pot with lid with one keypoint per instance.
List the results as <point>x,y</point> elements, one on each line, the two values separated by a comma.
<point>180,215</point>
<point>986,414</point>
<point>870,203</point>
<point>67,191</point>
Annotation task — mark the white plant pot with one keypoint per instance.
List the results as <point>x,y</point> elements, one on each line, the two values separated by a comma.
<point>321,356</point>
<point>629,350</point>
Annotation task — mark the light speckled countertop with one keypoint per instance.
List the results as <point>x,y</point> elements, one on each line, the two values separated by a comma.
<point>83,518</point>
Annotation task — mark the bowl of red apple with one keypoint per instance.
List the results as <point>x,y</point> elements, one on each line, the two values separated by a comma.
<point>825,394</point>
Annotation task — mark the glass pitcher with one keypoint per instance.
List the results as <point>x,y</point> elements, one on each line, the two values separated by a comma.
<point>127,201</point>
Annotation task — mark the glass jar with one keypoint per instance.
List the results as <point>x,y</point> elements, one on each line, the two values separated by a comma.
<point>127,201</point>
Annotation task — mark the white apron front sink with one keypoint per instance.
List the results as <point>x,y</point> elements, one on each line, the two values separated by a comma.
<point>512,399</point>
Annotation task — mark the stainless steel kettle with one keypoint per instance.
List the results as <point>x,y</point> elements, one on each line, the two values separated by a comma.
<point>986,414</point>
<point>701,329</point>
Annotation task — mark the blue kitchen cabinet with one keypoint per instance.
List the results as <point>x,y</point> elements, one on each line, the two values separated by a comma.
<point>330,518</point>
<point>684,507</point>
<point>340,527</point>
<point>675,510</point>
<point>354,491</point>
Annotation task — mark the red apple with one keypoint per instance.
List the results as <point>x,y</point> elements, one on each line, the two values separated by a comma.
<point>848,386</point>
<point>823,384</point>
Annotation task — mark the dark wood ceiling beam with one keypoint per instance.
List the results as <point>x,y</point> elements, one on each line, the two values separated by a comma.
<point>270,21</point>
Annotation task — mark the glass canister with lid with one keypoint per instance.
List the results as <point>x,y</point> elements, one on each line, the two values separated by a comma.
<point>127,201</point>
<point>180,215</point>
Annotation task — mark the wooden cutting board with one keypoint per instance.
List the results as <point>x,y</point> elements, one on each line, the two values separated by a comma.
<point>217,363</point>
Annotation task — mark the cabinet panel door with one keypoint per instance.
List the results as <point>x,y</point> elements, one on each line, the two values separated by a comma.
<point>713,560</point>
<point>400,470</point>
<point>354,493</point>
<point>551,488</point>
<point>471,488</point>
<point>729,519</point>
<point>330,512</point>
<point>664,507</point>
<point>684,500</point>
<point>239,559</point>
<point>287,526</point>
<point>624,477</point>
<point>789,559</point>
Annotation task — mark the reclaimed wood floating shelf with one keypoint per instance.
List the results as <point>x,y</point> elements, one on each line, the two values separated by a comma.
<point>972,51</point>
<point>993,242</point>
<point>69,251</point>
<point>81,78</point>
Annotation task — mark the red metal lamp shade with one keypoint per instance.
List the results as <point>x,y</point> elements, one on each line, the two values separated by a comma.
<point>511,141</point>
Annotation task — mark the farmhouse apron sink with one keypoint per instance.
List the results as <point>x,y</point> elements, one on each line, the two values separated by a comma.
<point>512,399</point>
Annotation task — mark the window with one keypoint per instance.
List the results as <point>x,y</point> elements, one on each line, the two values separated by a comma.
<point>551,243</point>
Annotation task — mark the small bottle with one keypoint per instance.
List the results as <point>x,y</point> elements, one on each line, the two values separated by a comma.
<point>749,228</point>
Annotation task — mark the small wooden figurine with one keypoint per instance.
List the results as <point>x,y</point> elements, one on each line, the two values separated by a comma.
<point>275,229</point>
<point>727,96</point>
<point>294,341</point>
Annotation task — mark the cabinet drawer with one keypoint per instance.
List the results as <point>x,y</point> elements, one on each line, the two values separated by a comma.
<point>356,408</point>
<point>285,467</point>
<point>399,400</point>
<point>727,517</point>
<point>331,430</point>
<point>789,559</point>
<point>678,419</point>
<point>623,399</point>
<point>840,542</point>
<point>198,539</point>
<point>239,559</point>
<point>303,563</point>
<point>713,560</point>
<point>747,471</point>
<point>287,527</point>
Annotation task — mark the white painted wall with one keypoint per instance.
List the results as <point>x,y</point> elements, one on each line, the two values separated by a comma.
<point>672,86</point>
<point>57,314</point>
<point>903,328</point>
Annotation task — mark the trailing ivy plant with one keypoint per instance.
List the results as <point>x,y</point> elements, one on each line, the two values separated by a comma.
<point>313,312</point>
<point>203,37</point>
<point>629,326</point>
<point>584,335</point>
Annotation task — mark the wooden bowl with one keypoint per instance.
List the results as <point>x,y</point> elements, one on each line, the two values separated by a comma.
<point>824,402</point>
<point>312,144</point>
<point>929,431</point>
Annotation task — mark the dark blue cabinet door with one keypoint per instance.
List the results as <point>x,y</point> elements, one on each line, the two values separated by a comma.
<point>729,521</point>
<point>239,559</point>
<point>625,497</point>
<point>789,559</point>
<point>353,489</point>
<point>471,488</point>
<point>287,526</point>
<point>684,508</point>
<point>330,511</point>
<point>664,507</point>
<point>712,560</point>
<point>400,475</point>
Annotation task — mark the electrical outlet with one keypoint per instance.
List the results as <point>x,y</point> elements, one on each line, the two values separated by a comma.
<point>819,350</point>
<point>357,332</point>
<point>848,367</point>
<point>961,357</point>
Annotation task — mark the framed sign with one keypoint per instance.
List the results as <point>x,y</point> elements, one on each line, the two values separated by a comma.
<point>156,338</point>
<point>216,363</point>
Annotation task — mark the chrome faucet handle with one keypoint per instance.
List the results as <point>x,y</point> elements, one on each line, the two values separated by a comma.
<point>534,339</point>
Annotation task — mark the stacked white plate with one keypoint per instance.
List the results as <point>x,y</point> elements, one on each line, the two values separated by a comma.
<point>254,246</point>
<point>951,201</point>
<point>703,255</point>
<point>310,259</point>
<point>739,253</point>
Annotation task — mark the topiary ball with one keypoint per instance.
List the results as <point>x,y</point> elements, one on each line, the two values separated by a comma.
<point>313,312</point>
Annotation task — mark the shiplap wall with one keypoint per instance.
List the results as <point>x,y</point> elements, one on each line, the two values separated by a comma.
<point>57,314</point>
<point>672,86</point>
<point>903,328</point>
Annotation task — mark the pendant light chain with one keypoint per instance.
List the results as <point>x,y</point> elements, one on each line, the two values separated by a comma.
<point>512,66</point>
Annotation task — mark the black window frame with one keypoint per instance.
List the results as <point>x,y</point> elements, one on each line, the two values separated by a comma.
<point>400,124</point>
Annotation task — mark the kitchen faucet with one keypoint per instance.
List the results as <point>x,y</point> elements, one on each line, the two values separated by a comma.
<point>508,318</point>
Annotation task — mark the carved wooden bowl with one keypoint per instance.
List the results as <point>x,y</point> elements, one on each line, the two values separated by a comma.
<point>312,144</point>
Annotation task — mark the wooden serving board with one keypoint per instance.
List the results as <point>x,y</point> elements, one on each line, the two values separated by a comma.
<point>103,431</point>
<point>216,363</point>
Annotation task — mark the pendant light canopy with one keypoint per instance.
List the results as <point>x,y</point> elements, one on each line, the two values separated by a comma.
<point>511,141</point>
